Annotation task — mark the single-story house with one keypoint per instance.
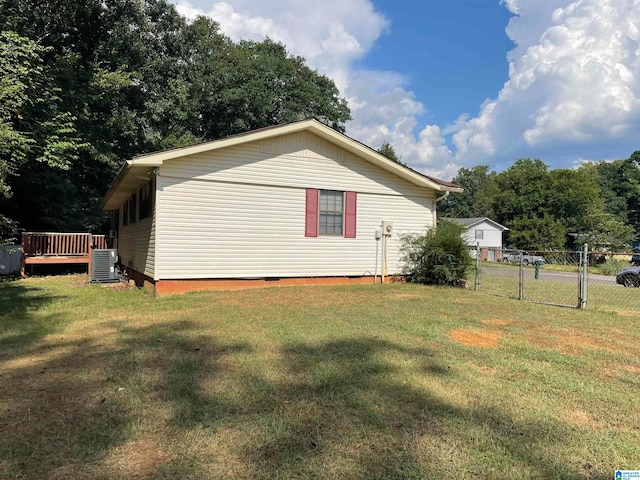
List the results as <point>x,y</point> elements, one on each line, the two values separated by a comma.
<point>483,232</point>
<point>291,204</point>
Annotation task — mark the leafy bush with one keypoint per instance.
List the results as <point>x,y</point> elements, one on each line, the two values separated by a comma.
<point>439,257</point>
<point>612,266</point>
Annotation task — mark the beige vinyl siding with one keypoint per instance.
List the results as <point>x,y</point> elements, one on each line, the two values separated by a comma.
<point>136,244</point>
<point>239,212</point>
<point>256,163</point>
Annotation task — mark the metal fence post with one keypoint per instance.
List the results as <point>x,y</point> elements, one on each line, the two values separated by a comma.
<point>580,278</point>
<point>521,278</point>
<point>478,268</point>
<point>585,276</point>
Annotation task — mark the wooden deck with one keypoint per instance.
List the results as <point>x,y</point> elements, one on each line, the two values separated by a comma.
<point>39,248</point>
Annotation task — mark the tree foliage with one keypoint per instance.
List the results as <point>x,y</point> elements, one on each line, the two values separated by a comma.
<point>598,202</point>
<point>538,233</point>
<point>476,200</point>
<point>619,183</point>
<point>439,257</point>
<point>388,151</point>
<point>86,85</point>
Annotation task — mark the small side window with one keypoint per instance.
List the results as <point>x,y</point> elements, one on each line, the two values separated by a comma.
<point>132,208</point>
<point>125,214</point>
<point>145,201</point>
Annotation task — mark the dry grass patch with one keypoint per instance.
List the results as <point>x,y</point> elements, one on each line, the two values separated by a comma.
<point>138,459</point>
<point>497,322</point>
<point>483,369</point>
<point>572,341</point>
<point>476,338</point>
<point>581,418</point>
<point>291,297</point>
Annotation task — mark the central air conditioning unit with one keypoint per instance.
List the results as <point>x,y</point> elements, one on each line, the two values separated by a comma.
<point>103,265</point>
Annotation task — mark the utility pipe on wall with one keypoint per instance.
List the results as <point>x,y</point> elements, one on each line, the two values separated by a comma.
<point>378,235</point>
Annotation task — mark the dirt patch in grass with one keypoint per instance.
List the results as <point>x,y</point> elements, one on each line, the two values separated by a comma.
<point>628,313</point>
<point>476,338</point>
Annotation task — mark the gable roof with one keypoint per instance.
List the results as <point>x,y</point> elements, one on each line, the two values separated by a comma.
<point>137,170</point>
<point>472,222</point>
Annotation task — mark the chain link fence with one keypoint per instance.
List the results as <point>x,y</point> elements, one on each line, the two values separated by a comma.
<point>565,278</point>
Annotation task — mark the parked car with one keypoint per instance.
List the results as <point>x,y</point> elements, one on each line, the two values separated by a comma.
<point>635,258</point>
<point>528,259</point>
<point>629,277</point>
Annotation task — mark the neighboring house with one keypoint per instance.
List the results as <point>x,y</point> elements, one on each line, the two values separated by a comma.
<point>485,233</point>
<point>297,203</point>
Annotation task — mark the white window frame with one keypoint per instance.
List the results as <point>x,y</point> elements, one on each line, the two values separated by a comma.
<point>331,211</point>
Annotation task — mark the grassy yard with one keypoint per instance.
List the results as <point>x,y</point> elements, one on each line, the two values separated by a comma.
<point>362,382</point>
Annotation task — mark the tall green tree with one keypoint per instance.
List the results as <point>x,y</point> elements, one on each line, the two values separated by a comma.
<point>619,183</point>
<point>537,233</point>
<point>125,77</point>
<point>388,151</point>
<point>478,197</point>
<point>603,230</point>
<point>35,131</point>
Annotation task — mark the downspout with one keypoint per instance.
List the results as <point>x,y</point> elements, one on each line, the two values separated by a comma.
<point>436,200</point>
<point>154,218</point>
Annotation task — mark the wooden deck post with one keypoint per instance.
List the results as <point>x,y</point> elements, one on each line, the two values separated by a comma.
<point>90,255</point>
<point>22,255</point>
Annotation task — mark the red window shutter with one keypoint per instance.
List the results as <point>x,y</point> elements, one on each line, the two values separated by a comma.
<point>350,204</point>
<point>311,214</point>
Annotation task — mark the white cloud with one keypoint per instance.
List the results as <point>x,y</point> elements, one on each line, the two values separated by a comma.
<point>574,76</point>
<point>332,36</point>
<point>573,79</point>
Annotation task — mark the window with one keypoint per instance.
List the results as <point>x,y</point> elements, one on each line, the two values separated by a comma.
<point>331,212</point>
<point>479,234</point>
<point>125,214</point>
<point>132,208</point>
<point>145,201</point>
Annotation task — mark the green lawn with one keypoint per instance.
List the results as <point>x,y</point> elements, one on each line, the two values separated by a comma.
<point>360,382</point>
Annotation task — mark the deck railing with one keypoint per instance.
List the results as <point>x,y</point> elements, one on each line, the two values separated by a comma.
<point>40,248</point>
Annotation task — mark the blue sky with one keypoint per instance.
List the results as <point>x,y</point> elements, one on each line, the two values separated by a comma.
<point>458,83</point>
<point>453,53</point>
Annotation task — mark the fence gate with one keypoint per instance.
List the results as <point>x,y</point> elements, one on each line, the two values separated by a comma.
<point>554,278</point>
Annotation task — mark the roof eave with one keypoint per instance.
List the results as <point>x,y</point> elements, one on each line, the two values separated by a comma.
<point>130,176</point>
<point>312,125</point>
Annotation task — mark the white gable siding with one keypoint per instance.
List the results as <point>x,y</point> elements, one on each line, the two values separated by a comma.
<point>492,235</point>
<point>240,212</point>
